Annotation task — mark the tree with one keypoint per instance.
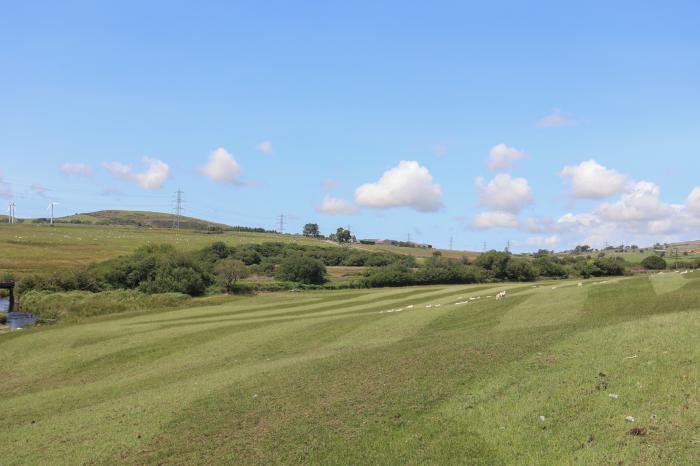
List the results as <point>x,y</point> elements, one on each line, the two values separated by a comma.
<point>230,271</point>
<point>495,261</point>
<point>302,269</point>
<point>654,263</point>
<point>342,235</point>
<point>311,230</point>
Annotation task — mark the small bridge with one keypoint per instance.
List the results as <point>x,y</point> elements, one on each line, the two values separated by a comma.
<point>9,285</point>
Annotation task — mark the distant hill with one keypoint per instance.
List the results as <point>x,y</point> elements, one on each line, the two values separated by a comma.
<point>142,219</point>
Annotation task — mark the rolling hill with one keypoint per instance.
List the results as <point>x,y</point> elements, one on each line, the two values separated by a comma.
<point>140,219</point>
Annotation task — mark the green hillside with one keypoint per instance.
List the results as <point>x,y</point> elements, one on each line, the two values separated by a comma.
<point>140,219</point>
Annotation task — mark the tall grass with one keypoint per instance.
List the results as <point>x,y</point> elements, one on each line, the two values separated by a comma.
<point>76,304</point>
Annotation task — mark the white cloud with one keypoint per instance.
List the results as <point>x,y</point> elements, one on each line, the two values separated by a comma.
<point>406,185</point>
<point>221,167</point>
<point>544,241</point>
<point>693,201</point>
<point>265,147</point>
<point>332,205</point>
<point>76,168</point>
<point>591,180</point>
<point>495,219</point>
<point>555,119</point>
<point>153,178</point>
<point>504,193</point>
<point>570,222</point>
<point>502,156</point>
<point>640,204</point>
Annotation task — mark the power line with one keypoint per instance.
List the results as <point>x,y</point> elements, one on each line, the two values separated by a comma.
<point>281,224</point>
<point>178,209</point>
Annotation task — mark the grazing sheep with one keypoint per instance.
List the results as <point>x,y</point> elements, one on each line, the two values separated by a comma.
<point>501,295</point>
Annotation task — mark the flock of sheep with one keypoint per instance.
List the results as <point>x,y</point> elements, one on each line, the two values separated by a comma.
<point>501,295</point>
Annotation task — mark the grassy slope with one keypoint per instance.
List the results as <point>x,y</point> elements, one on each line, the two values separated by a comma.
<point>36,248</point>
<point>141,218</point>
<point>328,378</point>
<point>29,248</point>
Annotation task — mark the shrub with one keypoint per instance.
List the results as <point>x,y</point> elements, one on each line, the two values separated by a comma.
<point>654,263</point>
<point>520,270</point>
<point>495,261</point>
<point>302,269</point>
<point>229,272</point>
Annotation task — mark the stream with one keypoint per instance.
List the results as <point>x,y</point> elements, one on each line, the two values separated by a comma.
<point>16,320</point>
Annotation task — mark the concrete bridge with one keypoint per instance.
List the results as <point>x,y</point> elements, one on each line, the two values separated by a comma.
<point>9,285</point>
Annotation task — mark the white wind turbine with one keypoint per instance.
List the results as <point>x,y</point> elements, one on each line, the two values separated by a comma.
<point>11,212</point>
<point>51,206</point>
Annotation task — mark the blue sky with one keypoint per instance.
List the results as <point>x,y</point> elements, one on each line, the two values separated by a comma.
<point>260,108</point>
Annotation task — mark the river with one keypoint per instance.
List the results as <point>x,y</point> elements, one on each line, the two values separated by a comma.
<point>16,320</point>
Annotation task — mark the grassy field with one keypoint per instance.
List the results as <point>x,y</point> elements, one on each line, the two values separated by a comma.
<point>546,376</point>
<point>39,248</point>
<point>27,248</point>
<point>636,257</point>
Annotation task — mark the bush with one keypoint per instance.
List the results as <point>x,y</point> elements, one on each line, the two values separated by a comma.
<point>302,269</point>
<point>654,263</point>
<point>494,261</point>
<point>158,269</point>
<point>520,270</point>
<point>395,275</point>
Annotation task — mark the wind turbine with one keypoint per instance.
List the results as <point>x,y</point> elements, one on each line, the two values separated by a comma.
<point>51,206</point>
<point>11,211</point>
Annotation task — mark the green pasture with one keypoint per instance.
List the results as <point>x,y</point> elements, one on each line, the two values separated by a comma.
<point>546,376</point>
<point>41,248</point>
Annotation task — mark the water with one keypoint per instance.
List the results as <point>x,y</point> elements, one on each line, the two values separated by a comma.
<point>16,320</point>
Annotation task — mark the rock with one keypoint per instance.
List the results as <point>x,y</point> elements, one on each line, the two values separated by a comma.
<point>629,418</point>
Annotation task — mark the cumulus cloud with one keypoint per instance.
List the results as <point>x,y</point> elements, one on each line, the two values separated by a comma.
<point>555,119</point>
<point>221,167</point>
<point>265,147</point>
<point>640,204</point>
<point>502,156</point>
<point>591,180</point>
<point>76,168</point>
<point>153,177</point>
<point>571,222</point>
<point>495,219</point>
<point>504,193</point>
<point>406,185</point>
<point>544,241</point>
<point>693,201</point>
<point>332,205</point>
